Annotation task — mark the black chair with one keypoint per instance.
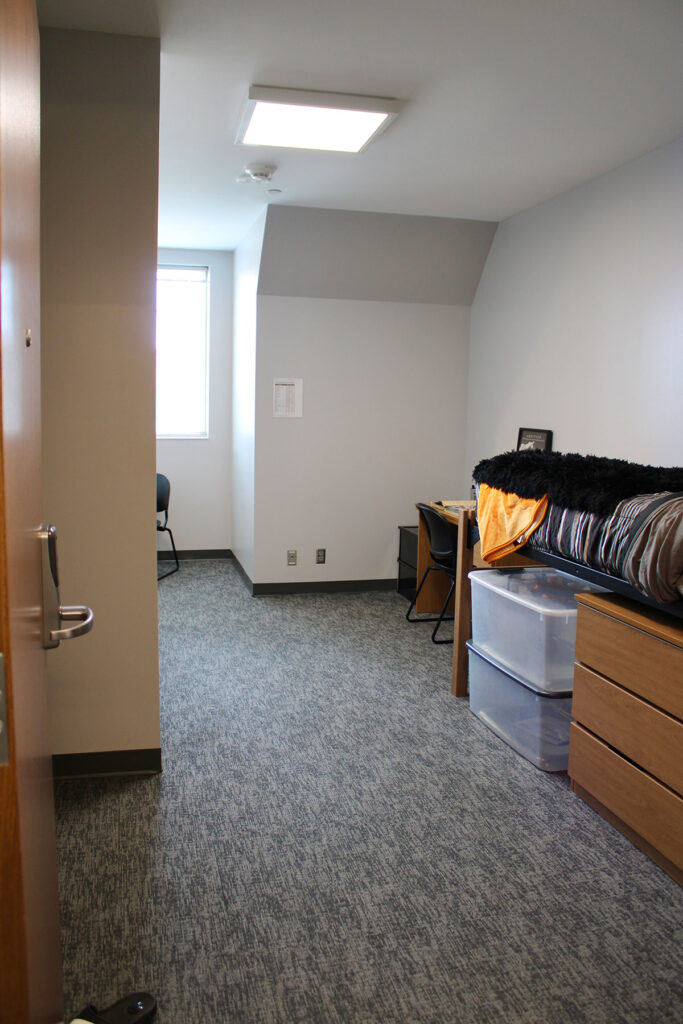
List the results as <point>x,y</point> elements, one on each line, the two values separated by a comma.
<point>163,498</point>
<point>443,550</point>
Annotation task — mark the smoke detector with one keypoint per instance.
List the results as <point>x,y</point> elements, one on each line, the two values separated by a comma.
<point>259,173</point>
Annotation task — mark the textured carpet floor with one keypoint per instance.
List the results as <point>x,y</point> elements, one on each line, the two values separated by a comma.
<point>336,839</point>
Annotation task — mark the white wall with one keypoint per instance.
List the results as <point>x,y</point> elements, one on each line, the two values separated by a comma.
<point>200,512</point>
<point>246,270</point>
<point>383,427</point>
<point>577,325</point>
<point>371,311</point>
<point>99,153</point>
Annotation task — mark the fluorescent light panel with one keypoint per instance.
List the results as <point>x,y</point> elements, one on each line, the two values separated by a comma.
<point>300,119</point>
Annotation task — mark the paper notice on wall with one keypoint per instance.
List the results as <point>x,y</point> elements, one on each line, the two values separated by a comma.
<point>288,396</point>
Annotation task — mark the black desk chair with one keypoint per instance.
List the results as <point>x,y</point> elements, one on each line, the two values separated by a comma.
<point>443,550</point>
<point>163,498</point>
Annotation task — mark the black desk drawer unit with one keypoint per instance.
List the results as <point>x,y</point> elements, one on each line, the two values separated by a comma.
<point>407,561</point>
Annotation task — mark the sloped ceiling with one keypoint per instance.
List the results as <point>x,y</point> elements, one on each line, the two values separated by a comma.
<point>386,257</point>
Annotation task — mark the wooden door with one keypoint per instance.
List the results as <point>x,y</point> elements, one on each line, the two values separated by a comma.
<point>30,963</point>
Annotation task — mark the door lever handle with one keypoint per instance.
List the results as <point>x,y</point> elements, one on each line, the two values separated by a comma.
<point>79,613</point>
<point>54,612</point>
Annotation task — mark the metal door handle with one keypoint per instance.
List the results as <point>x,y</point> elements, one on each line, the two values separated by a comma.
<point>79,613</point>
<point>54,612</point>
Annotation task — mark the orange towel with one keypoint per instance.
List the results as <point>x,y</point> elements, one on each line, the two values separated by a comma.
<point>506,521</point>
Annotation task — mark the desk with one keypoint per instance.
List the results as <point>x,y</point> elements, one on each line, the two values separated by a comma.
<point>433,594</point>
<point>462,514</point>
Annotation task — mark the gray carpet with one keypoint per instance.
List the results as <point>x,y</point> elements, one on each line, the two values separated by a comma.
<point>336,839</point>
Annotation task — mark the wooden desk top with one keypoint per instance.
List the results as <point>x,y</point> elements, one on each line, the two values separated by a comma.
<point>451,508</point>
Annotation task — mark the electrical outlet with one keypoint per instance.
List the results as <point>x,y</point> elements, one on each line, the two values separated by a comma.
<point>291,557</point>
<point>320,556</point>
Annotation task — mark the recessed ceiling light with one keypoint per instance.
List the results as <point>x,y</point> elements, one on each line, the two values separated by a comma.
<point>301,119</point>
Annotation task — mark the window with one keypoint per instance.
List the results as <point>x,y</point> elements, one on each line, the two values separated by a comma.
<point>182,352</point>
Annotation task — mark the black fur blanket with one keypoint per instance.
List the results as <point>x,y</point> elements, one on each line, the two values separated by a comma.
<point>588,483</point>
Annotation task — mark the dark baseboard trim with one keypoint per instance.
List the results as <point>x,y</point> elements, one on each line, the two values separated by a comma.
<point>107,762</point>
<point>312,586</point>
<point>167,556</point>
<point>243,573</point>
<point>322,587</point>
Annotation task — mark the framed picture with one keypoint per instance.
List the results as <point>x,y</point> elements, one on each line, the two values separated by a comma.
<point>531,437</point>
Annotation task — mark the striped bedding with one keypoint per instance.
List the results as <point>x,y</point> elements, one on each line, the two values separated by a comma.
<point>640,542</point>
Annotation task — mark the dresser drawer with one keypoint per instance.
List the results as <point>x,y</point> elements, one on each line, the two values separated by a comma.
<point>636,660</point>
<point>642,733</point>
<point>642,803</point>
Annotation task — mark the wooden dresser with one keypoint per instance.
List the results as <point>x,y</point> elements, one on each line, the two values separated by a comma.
<point>626,746</point>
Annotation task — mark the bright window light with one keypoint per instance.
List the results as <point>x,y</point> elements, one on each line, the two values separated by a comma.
<point>298,119</point>
<point>182,342</point>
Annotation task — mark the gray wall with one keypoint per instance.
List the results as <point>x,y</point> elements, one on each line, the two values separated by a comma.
<point>578,321</point>
<point>382,257</point>
<point>100,102</point>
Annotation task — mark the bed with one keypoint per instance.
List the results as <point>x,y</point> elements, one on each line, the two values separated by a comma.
<point>608,521</point>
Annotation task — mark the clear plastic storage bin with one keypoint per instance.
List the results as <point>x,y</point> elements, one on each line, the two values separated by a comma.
<point>535,724</point>
<point>526,621</point>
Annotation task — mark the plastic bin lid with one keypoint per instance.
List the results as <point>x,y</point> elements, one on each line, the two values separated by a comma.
<point>546,591</point>
<point>507,671</point>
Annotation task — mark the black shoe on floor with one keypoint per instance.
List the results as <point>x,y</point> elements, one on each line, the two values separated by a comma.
<point>132,1009</point>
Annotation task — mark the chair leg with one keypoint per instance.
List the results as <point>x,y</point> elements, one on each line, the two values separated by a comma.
<point>444,618</point>
<point>441,617</point>
<point>434,618</point>
<point>170,572</point>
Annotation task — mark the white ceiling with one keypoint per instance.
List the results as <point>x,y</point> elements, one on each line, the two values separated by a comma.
<point>508,102</point>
